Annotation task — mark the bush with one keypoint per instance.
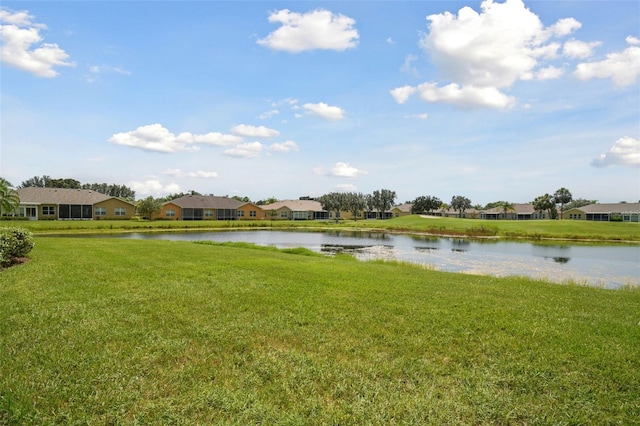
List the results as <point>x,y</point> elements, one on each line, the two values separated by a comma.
<point>14,243</point>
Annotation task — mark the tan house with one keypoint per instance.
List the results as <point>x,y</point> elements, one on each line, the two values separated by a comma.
<point>519,211</point>
<point>402,210</point>
<point>296,210</point>
<point>208,207</point>
<point>619,212</point>
<point>71,204</point>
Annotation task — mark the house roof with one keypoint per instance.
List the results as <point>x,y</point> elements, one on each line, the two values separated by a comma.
<point>609,208</point>
<point>295,205</point>
<point>206,202</point>
<point>403,208</point>
<point>33,195</point>
<point>518,208</point>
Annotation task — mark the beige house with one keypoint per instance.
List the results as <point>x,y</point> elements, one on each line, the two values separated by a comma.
<point>619,212</point>
<point>295,210</point>
<point>402,210</point>
<point>519,211</point>
<point>71,204</point>
<point>208,207</point>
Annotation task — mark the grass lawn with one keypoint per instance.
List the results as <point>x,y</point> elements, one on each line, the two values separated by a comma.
<point>105,331</point>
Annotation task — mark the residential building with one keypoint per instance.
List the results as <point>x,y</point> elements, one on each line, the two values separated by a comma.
<point>208,207</point>
<point>519,211</point>
<point>621,212</point>
<point>68,204</point>
<point>296,210</point>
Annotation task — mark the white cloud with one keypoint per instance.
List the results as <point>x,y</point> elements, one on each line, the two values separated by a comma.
<point>408,67</point>
<point>346,187</point>
<point>466,96</point>
<point>253,131</point>
<point>287,146</point>
<point>481,53</point>
<point>579,49</point>
<point>23,47</point>
<point>95,71</point>
<point>346,170</point>
<point>153,187</point>
<point>268,114</point>
<point>622,67</point>
<point>199,174</point>
<point>632,40</point>
<point>154,137</point>
<point>318,29</point>
<point>245,150</point>
<point>549,73</point>
<point>419,116</point>
<point>624,152</point>
<point>325,111</point>
<point>402,94</point>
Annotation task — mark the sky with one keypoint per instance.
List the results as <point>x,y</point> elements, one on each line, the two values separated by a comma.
<point>492,100</point>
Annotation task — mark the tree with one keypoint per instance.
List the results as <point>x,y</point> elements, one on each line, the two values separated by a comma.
<point>460,203</point>
<point>382,200</point>
<point>507,207</point>
<point>37,182</point>
<point>562,196</point>
<point>355,203</point>
<point>334,202</point>
<point>580,202</point>
<point>148,207</point>
<point>545,203</point>
<point>243,199</point>
<point>425,204</point>
<point>9,198</point>
<point>266,201</point>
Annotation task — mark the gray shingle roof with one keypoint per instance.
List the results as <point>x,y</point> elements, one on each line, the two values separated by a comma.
<point>206,202</point>
<point>610,208</point>
<point>296,205</point>
<point>60,196</point>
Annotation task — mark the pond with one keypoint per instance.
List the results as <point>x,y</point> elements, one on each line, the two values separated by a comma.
<point>610,266</point>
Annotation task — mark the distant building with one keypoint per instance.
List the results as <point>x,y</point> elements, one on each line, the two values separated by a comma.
<point>621,212</point>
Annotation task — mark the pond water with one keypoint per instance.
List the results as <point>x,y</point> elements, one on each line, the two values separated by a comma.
<point>610,266</point>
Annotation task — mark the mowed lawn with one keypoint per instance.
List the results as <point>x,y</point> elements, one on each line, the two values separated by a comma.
<point>107,331</point>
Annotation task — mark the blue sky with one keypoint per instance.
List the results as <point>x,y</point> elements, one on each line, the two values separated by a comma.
<point>490,100</point>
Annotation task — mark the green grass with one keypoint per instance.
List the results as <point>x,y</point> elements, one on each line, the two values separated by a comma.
<point>531,229</point>
<point>105,331</point>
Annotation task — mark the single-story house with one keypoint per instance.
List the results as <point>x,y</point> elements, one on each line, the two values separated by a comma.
<point>208,207</point>
<point>517,212</point>
<point>402,210</point>
<point>296,210</point>
<point>624,212</point>
<point>65,204</point>
<point>467,214</point>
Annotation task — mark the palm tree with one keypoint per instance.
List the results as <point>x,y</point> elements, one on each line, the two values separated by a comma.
<point>507,207</point>
<point>9,198</point>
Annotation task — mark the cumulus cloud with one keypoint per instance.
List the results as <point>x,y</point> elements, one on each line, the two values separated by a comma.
<point>324,111</point>
<point>254,131</point>
<point>624,152</point>
<point>465,96</point>
<point>23,46</point>
<point>579,49</point>
<point>153,187</point>
<point>346,170</point>
<point>622,67</point>
<point>287,146</point>
<point>199,174</point>
<point>318,29</point>
<point>245,150</point>
<point>483,53</point>
<point>155,137</point>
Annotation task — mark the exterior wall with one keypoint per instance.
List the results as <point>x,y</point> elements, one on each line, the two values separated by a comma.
<point>47,212</point>
<point>110,207</point>
<point>245,212</point>
<point>169,211</point>
<point>283,213</point>
<point>574,214</point>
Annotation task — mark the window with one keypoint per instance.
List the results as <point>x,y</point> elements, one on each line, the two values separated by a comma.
<point>208,213</point>
<point>48,210</point>
<point>283,214</point>
<point>170,213</point>
<point>101,211</point>
<point>120,211</point>
<point>252,213</point>
<point>240,213</point>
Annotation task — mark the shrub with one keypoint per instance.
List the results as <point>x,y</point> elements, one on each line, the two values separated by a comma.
<point>14,243</point>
